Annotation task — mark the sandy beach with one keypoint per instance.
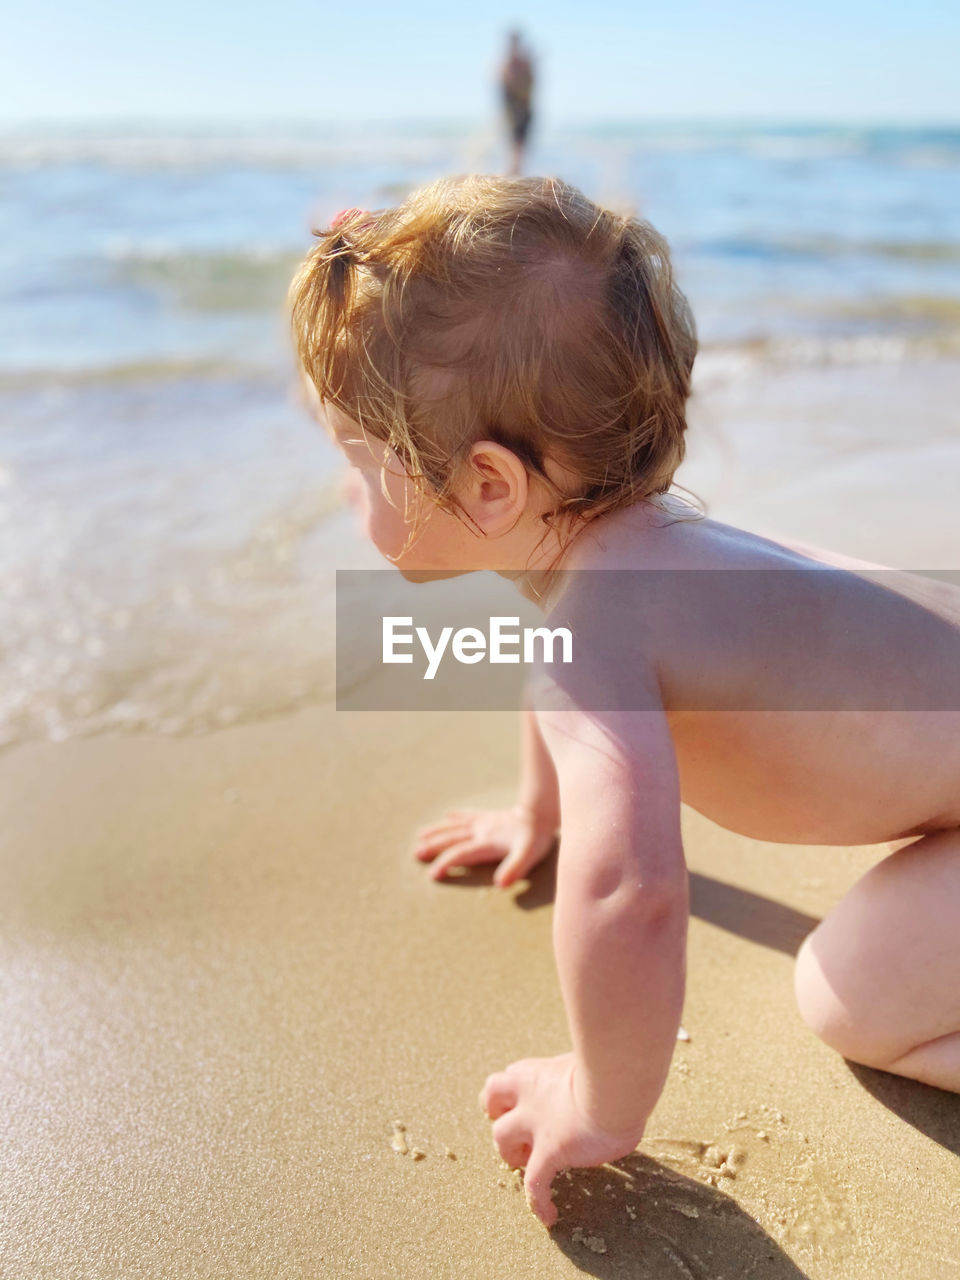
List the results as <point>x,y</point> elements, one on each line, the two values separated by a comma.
<point>244,1033</point>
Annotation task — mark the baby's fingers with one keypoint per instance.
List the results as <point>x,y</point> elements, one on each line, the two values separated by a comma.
<point>524,855</point>
<point>537,1183</point>
<point>499,1094</point>
<point>430,843</point>
<point>466,853</point>
<point>452,818</point>
<point>513,1139</point>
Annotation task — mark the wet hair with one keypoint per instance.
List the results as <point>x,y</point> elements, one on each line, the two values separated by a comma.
<point>506,309</point>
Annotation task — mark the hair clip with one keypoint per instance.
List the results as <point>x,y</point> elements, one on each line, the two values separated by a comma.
<point>343,216</point>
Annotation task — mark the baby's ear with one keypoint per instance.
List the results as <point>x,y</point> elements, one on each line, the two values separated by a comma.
<point>496,473</point>
<point>495,488</point>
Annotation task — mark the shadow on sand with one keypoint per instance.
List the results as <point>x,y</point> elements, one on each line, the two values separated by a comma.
<point>751,915</point>
<point>740,911</point>
<point>640,1220</point>
<point>933,1112</point>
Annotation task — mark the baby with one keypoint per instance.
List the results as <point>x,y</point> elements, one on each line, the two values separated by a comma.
<point>506,365</point>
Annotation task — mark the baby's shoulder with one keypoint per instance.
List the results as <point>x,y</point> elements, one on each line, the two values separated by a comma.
<point>652,603</point>
<point>615,639</point>
<point>678,538</point>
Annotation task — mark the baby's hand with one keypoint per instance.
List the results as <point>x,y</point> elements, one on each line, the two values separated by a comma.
<point>517,838</point>
<point>539,1124</point>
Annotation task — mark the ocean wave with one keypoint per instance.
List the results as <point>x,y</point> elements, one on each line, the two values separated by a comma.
<point>721,362</point>
<point>146,372</point>
<point>909,146</point>
<point>246,278</point>
<point>309,147</point>
<point>884,329</point>
<point>209,640</point>
<point>449,144</point>
<point>826,247</point>
<point>930,312</point>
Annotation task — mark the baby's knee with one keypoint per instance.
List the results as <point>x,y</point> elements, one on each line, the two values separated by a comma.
<point>818,1004</point>
<point>836,1006</point>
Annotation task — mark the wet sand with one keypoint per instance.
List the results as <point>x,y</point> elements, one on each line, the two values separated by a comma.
<point>244,1033</point>
<point>229,997</point>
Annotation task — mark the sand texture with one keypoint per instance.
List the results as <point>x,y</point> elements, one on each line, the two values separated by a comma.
<point>244,1035</point>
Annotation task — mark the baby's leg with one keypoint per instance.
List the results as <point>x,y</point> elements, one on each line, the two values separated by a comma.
<point>879,978</point>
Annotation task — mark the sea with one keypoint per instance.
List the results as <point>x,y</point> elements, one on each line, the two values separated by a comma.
<point>169,514</point>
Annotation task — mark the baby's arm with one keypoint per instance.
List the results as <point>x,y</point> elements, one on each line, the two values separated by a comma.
<point>621,909</point>
<point>517,838</point>
<point>620,933</point>
<point>539,791</point>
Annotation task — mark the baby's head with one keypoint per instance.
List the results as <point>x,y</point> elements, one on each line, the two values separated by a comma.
<point>505,354</point>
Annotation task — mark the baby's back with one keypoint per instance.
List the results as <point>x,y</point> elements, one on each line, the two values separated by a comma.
<point>810,698</point>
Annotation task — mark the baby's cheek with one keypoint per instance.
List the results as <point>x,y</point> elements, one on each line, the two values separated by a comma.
<point>376,520</point>
<point>385,525</point>
<point>354,493</point>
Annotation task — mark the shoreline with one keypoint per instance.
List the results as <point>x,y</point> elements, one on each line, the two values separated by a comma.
<point>860,459</point>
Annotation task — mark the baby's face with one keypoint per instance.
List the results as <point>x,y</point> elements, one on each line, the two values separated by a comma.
<point>441,542</point>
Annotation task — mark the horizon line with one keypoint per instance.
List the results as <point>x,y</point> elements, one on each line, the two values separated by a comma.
<point>236,122</point>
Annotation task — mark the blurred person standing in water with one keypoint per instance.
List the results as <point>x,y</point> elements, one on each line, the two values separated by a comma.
<point>516,83</point>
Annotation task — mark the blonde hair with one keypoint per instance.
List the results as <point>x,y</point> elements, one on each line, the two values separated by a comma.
<point>505,309</point>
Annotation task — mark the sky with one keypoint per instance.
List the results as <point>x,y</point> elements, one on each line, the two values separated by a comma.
<point>293,60</point>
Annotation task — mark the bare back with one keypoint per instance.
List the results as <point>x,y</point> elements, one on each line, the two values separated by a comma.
<point>820,706</point>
